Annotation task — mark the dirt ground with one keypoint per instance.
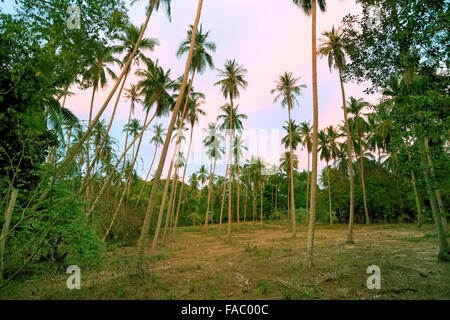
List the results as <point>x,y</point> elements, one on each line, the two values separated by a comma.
<point>265,262</point>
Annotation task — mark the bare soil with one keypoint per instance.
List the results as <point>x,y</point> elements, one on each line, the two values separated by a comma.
<point>264,262</point>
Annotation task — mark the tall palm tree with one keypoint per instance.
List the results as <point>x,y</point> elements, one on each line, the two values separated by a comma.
<point>233,78</point>
<point>333,48</point>
<point>359,126</point>
<point>156,140</point>
<point>288,90</point>
<point>309,7</point>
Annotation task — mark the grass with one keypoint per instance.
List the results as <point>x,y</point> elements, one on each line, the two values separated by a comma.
<point>262,262</point>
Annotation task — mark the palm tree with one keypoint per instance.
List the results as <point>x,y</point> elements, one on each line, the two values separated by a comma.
<point>232,79</point>
<point>286,165</point>
<point>334,49</point>
<point>288,90</point>
<point>359,126</point>
<point>309,7</point>
<point>156,140</point>
<point>325,154</point>
<point>305,130</point>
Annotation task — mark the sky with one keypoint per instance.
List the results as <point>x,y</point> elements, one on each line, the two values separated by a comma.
<point>268,38</point>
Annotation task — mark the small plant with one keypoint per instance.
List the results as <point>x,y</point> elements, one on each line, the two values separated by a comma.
<point>193,285</point>
<point>263,286</point>
<point>213,295</point>
<point>287,249</point>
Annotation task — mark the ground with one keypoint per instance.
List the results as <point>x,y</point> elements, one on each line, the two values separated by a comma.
<point>264,262</point>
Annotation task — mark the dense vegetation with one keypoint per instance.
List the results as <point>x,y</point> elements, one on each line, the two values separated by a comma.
<point>68,192</point>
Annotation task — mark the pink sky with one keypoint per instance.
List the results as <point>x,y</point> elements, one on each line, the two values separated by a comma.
<point>267,37</point>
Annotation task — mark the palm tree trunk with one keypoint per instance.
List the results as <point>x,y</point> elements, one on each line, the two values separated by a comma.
<point>148,174</point>
<point>223,199</point>
<point>127,181</point>
<point>152,200</point>
<point>261,193</point>
<point>108,179</point>
<point>205,229</point>
<point>276,197</point>
<point>231,166</point>
<point>291,173</point>
<point>307,192</point>
<point>238,185</point>
<point>75,149</point>
<point>329,194</point>
<point>444,251</point>
<point>99,147</point>
<point>436,186</point>
<point>350,163</point>
<point>5,228</point>
<point>312,218</point>
<point>254,202</point>
<point>363,184</point>
<point>245,203</point>
<point>170,209</point>
<point>416,194</point>
<point>87,140</point>
<point>182,181</point>
<point>125,158</point>
<point>163,201</point>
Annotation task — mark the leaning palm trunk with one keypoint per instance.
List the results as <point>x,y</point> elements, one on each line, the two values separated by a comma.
<point>111,174</point>
<point>163,201</point>
<point>127,182</point>
<point>125,158</point>
<point>148,174</point>
<point>444,250</point>
<point>223,202</point>
<point>169,213</point>
<point>416,194</point>
<point>5,229</point>
<point>436,187</point>
<point>76,148</point>
<point>329,195</point>
<point>87,140</point>
<point>182,182</point>
<point>152,200</point>
<point>100,146</point>
<point>366,213</point>
<point>312,218</point>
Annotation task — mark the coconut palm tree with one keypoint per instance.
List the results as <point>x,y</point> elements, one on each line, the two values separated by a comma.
<point>309,8</point>
<point>288,90</point>
<point>359,126</point>
<point>333,48</point>
<point>156,140</point>
<point>233,79</point>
